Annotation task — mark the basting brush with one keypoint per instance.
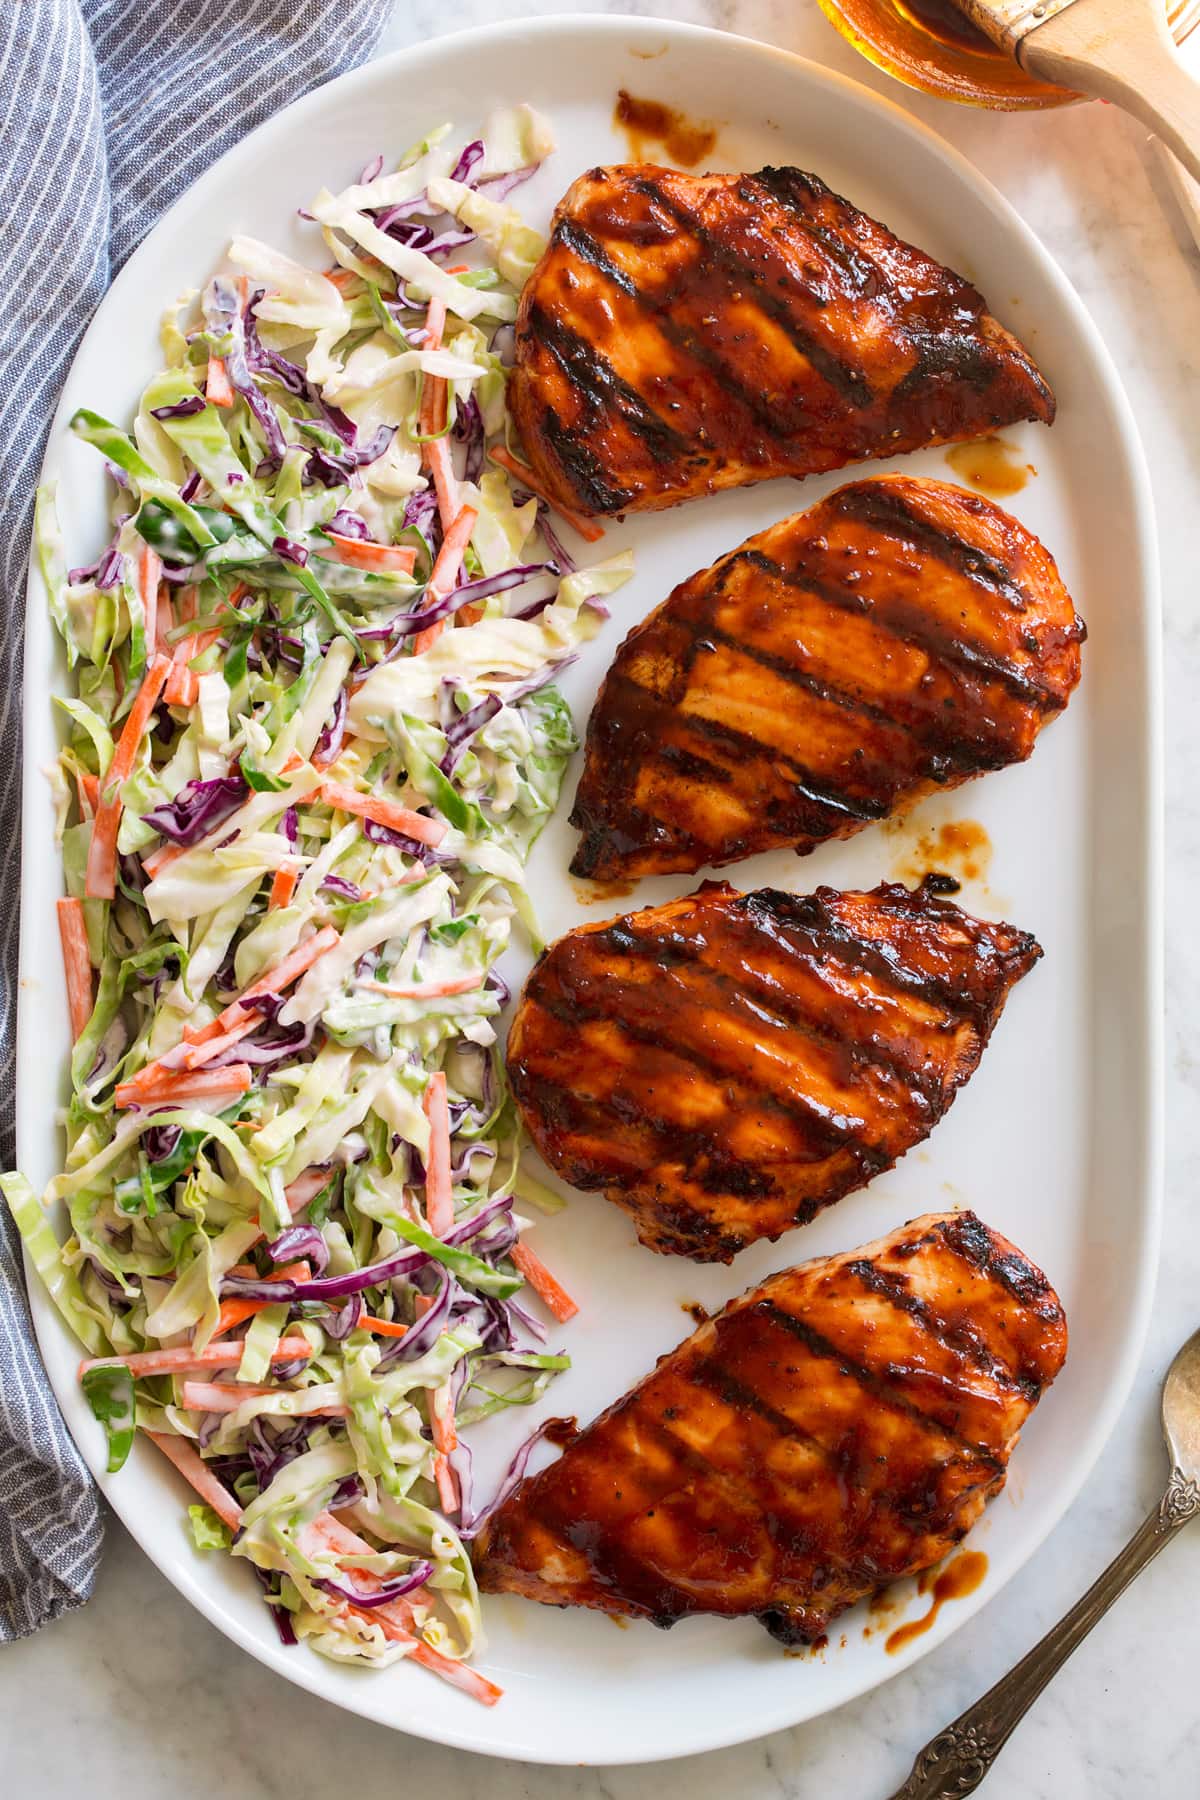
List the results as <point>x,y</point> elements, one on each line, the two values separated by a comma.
<point>1118,50</point>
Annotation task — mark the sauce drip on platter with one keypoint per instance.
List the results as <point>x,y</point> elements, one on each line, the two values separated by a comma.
<point>685,140</point>
<point>958,1579</point>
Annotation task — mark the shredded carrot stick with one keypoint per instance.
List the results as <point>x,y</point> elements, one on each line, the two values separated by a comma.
<point>439,1199</point>
<point>441,1422</point>
<point>458,1674</point>
<point>428,990</point>
<point>445,572</point>
<point>164,622</point>
<point>283,887</point>
<point>396,1618</point>
<point>187,1460</point>
<point>445,482</point>
<point>77,964</point>
<point>341,278</point>
<point>459,269</point>
<point>187,1084</point>
<point>447,1486</point>
<point>364,553</point>
<point>590,533</point>
<point>383,812</point>
<point>196,1056</point>
<point>237,1021</point>
<point>272,981</point>
<point>183,686</point>
<point>218,389</point>
<point>87,789</point>
<point>431,419</point>
<point>331,1534</point>
<point>149,577</point>
<point>432,413</point>
<point>381,1327</point>
<point>553,1296</point>
<point>183,1358</point>
<point>101,881</point>
<point>236,1312</point>
<point>162,858</point>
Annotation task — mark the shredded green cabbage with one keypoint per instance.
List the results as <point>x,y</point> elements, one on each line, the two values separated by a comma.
<point>322,773</point>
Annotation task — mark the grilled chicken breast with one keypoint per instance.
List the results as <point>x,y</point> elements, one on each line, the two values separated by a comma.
<point>685,333</point>
<point>899,636</point>
<point>725,1065</point>
<point>835,1429</point>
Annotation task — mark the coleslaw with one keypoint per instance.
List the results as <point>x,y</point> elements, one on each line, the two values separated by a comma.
<point>314,736</point>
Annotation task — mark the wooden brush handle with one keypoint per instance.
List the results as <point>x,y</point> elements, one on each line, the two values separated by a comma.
<point>1121,50</point>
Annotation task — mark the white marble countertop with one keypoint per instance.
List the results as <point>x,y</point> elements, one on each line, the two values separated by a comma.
<point>138,1696</point>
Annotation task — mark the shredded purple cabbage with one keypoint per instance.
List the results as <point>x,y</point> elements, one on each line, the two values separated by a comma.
<point>499,187</point>
<point>553,542</point>
<point>337,884</point>
<point>425,1333</point>
<point>288,550</point>
<point>198,808</point>
<point>470,1524</point>
<point>300,1240</point>
<point>160,1141</point>
<point>226,316</point>
<point>333,731</point>
<point>417,1576</point>
<point>467,161</point>
<point>468,430</point>
<point>182,409</point>
<point>348,524</point>
<point>465,726</point>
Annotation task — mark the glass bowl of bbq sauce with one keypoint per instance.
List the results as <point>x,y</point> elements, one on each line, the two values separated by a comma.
<point>929,45</point>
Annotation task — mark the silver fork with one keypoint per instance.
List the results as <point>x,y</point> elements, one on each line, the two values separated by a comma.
<point>958,1758</point>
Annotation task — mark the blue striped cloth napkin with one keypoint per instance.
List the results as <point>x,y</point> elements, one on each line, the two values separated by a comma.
<point>108,110</point>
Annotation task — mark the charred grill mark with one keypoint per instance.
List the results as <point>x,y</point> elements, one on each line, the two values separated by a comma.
<point>893,1288</point>
<point>968,1238</point>
<point>580,242</point>
<point>707,1162</point>
<point>881,1390</point>
<point>808,916</point>
<point>790,671</point>
<point>878,504</point>
<point>944,748</point>
<point>850,383</point>
<point>582,467</point>
<point>831,807</point>
<point>838,805</point>
<point>784,1009</point>
<point>780,187</point>
<point>595,378</point>
<point>914,625</point>
<point>889,1496</point>
<point>833,1133</point>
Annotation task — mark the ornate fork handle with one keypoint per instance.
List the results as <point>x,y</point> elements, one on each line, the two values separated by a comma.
<point>958,1758</point>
